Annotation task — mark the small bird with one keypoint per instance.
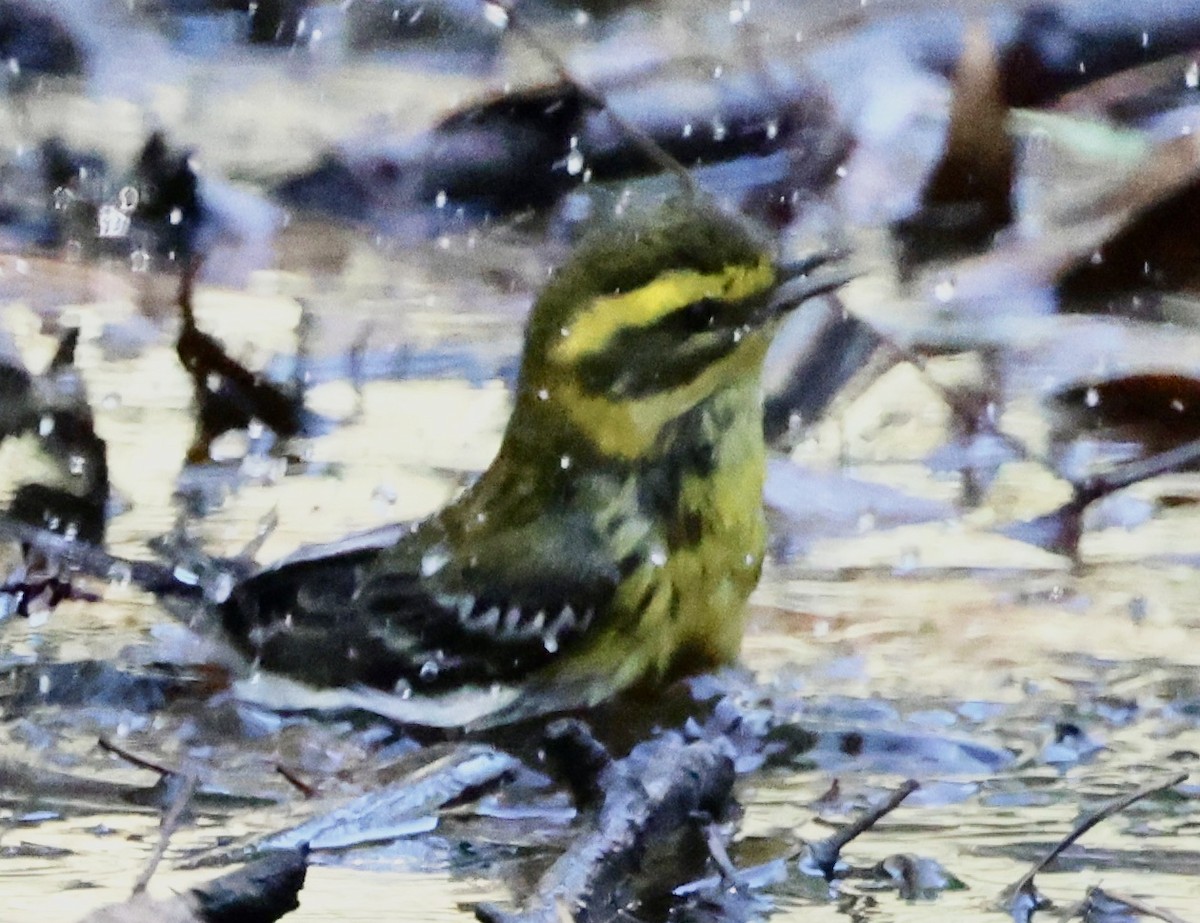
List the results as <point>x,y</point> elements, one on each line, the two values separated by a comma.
<point>614,539</point>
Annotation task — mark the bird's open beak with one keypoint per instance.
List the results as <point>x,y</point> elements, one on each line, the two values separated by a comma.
<point>800,280</point>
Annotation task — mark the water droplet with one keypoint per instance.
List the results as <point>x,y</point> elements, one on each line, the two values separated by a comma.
<point>403,688</point>
<point>429,670</point>
<point>582,18</point>
<point>127,198</point>
<point>543,394</point>
<point>139,261</point>
<point>565,462</point>
<point>77,464</point>
<point>550,642</point>
<point>943,291</point>
<point>220,588</point>
<point>1177,405</point>
<point>1096,258</point>
<point>46,425</point>
<point>176,216</point>
<point>687,129</point>
<point>213,382</point>
<point>772,130</point>
<point>433,561</point>
<point>575,163</point>
<point>496,15</point>
<point>658,557</point>
<point>1092,398</point>
<point>120,574</point>
<point>439,200</point>
<point>719,130</point>
<point>1191,76</point>
<point>44,684</point>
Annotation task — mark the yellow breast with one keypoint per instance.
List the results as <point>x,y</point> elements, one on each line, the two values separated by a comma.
<point>683,609</point>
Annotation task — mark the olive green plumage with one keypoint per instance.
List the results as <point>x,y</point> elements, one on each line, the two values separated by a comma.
<point>614,539</point>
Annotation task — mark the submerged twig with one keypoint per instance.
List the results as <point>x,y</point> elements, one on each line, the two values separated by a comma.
<point>260,892</point>
<point>579,758</point>
<point>822,856</point>
<point>133,760</point>
<point>170,823</point>
<point>75,554</point>
<point>308,791</point>
<point>655,799</point>
<point>228,395</point>
<point>1022,898</point>
<point>1100,900</point>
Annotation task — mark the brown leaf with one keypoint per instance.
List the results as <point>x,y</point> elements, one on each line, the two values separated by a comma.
<point>1157,409</point>
<point>1114,225</point>
<point>977,165</point>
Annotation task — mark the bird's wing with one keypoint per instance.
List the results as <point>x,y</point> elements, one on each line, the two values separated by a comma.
<point>422,615</point>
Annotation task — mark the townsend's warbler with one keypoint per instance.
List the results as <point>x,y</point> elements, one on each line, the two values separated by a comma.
<point>617,534</point>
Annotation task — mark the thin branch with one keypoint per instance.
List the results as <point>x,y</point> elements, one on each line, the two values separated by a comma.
<point>651,148</point>
<point>171,822</point>
<point>823,855</point>
<point>1024,885</point>
<point>308,791</point>
<point>109,747</point>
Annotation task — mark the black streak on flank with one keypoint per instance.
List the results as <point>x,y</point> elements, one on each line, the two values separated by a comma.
<point>689,452</point>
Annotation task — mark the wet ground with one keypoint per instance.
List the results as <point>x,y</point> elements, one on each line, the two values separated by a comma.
<point>1018,688</point>
<point>937,633</point>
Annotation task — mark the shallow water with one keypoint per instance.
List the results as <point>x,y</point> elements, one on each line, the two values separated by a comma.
<point>938,632</point>
<point>920,639</point>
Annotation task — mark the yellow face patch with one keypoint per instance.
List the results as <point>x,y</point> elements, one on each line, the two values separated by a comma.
<point>629,428</point>
<point>592,331</point>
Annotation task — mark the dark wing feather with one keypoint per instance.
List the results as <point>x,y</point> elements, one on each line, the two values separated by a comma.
<point>419,616</point>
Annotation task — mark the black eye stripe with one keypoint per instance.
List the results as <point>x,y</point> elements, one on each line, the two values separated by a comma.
<point>640,361</point>
<point>698,316</point>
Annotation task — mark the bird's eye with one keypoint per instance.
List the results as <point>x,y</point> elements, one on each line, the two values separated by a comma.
<point>698,316</point>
